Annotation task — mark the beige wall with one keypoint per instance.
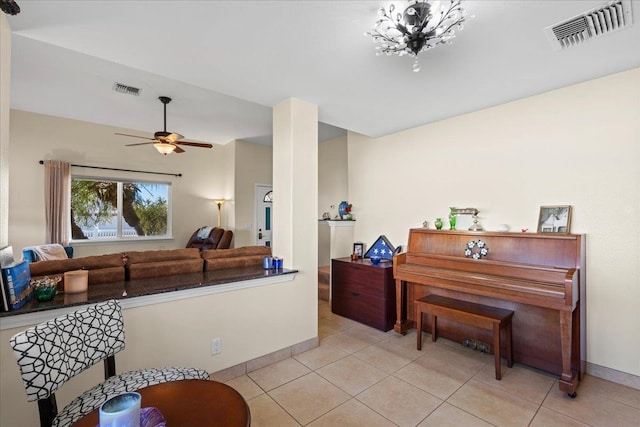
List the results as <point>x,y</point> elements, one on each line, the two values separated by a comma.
<point>578,145</point>
<point>333,175</point>
<point>332,189</point>
<point>5,86</point>
<point>179,333</point>
<point>253,165</point>
<point>205,175</point>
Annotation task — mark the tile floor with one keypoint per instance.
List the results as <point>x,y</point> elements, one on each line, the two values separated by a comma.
<point>359,376</point>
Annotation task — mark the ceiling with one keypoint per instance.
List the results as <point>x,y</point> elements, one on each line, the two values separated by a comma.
<point>226,63</point>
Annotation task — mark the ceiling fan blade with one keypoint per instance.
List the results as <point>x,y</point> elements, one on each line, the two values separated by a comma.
<point>173,137</point>
<point>135,136</point>
<point>178,150</point>
<point>193,144</point>
<point>140,143</point>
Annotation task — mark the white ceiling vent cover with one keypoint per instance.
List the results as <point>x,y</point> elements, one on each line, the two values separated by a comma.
<point>606,19</point>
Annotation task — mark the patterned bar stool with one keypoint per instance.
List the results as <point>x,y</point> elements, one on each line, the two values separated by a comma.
<point>53,352</point>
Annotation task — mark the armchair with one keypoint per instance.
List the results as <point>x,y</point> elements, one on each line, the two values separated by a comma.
<point>210,238</point>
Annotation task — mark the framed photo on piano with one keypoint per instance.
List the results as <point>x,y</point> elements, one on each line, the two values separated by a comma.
<point>554,219</point>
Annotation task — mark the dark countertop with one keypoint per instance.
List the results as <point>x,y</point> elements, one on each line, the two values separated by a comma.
<point>137,288</point>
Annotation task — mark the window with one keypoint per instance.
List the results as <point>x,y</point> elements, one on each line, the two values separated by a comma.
<point>111,209</point>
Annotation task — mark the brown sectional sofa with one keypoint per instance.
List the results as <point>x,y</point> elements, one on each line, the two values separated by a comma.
<point>145,264</point>
<point>102,268</point>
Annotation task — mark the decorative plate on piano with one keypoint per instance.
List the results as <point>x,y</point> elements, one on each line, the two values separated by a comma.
<point>476,249</point>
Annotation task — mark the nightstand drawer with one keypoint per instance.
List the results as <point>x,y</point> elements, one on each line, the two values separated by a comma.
<point>361,308</point>
<point>371,288</point>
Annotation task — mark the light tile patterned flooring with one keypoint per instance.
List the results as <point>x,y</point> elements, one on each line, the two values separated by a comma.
<point>359,376</point>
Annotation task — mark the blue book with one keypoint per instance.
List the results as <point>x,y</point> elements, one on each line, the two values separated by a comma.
<point>16,286</point>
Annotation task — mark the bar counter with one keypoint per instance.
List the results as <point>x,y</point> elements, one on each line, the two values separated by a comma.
<point>133,293</point>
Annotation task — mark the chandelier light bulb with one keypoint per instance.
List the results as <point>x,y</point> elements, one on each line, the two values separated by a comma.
<point>424,24</point>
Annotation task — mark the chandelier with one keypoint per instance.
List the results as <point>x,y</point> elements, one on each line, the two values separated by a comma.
<point>420,27</point>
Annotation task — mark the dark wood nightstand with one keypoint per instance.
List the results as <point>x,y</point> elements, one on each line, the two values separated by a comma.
<point>364,292</point>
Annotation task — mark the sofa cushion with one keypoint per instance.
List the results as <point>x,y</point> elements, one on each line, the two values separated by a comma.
<point>145,270</point>
<point>247,256</point>
<point>225,240</point>
<point>161,255</point>
<point>237,252</point>
<point>167,262</point>
<point>102,268</point>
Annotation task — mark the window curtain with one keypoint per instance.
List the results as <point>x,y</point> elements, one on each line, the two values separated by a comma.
<point>57,201</point>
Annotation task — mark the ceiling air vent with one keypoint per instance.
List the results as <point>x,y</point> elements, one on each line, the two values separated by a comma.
<point>606,19</point>
<point>130,90</point>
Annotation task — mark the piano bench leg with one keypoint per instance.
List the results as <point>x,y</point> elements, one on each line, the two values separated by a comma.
<point>496,349</point>
<point>434,327</point>
<point>509,344</point>
<point>418,328</point>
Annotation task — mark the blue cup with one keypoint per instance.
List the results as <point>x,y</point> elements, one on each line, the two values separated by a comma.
<point>122,410</point>
<point>267,263</point>
<point>277,263</point>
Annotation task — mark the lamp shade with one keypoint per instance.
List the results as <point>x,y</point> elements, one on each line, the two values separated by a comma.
<point>164,148</point>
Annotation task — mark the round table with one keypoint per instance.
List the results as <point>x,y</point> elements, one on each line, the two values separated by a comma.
<point>190,403</point>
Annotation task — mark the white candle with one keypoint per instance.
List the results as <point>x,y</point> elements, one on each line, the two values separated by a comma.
<point>121,411</point>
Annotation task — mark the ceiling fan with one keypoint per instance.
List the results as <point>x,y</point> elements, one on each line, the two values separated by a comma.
<point>166,142</point>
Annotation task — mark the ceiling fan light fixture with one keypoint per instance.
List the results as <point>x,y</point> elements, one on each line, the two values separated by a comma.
<point>167,142</point>
<point>164,147</point>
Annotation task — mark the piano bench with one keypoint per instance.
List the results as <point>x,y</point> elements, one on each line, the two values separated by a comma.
<point>482,316</point>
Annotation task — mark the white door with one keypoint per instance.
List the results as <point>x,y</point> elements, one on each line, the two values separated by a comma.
<point>264,214</point>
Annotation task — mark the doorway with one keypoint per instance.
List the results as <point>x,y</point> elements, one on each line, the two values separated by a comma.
<point>264,214</point>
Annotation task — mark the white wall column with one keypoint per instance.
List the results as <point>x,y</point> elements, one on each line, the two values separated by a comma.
<point>295,183</point>
<point>295,204</point>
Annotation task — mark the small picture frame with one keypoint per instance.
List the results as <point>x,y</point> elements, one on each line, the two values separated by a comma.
<point>358,249</point>
<point>554,219</point>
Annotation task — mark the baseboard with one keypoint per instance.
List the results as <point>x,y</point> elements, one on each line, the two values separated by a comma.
<point>262,361</point>
<point>612,375</point>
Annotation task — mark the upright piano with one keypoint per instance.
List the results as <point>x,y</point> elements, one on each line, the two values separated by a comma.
<point>541,277</point>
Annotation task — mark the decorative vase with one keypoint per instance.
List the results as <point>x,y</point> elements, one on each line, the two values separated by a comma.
<point>45,293</point>
<point>452,219</point>
<point>438,223</point>
<point>342,209</point>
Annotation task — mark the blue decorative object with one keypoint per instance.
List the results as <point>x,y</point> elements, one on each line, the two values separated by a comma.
<point>382,248</point>
<point>375,259</point>
<point>343,208</point>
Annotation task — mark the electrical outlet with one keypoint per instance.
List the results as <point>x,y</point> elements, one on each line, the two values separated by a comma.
<point>216,346</point>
